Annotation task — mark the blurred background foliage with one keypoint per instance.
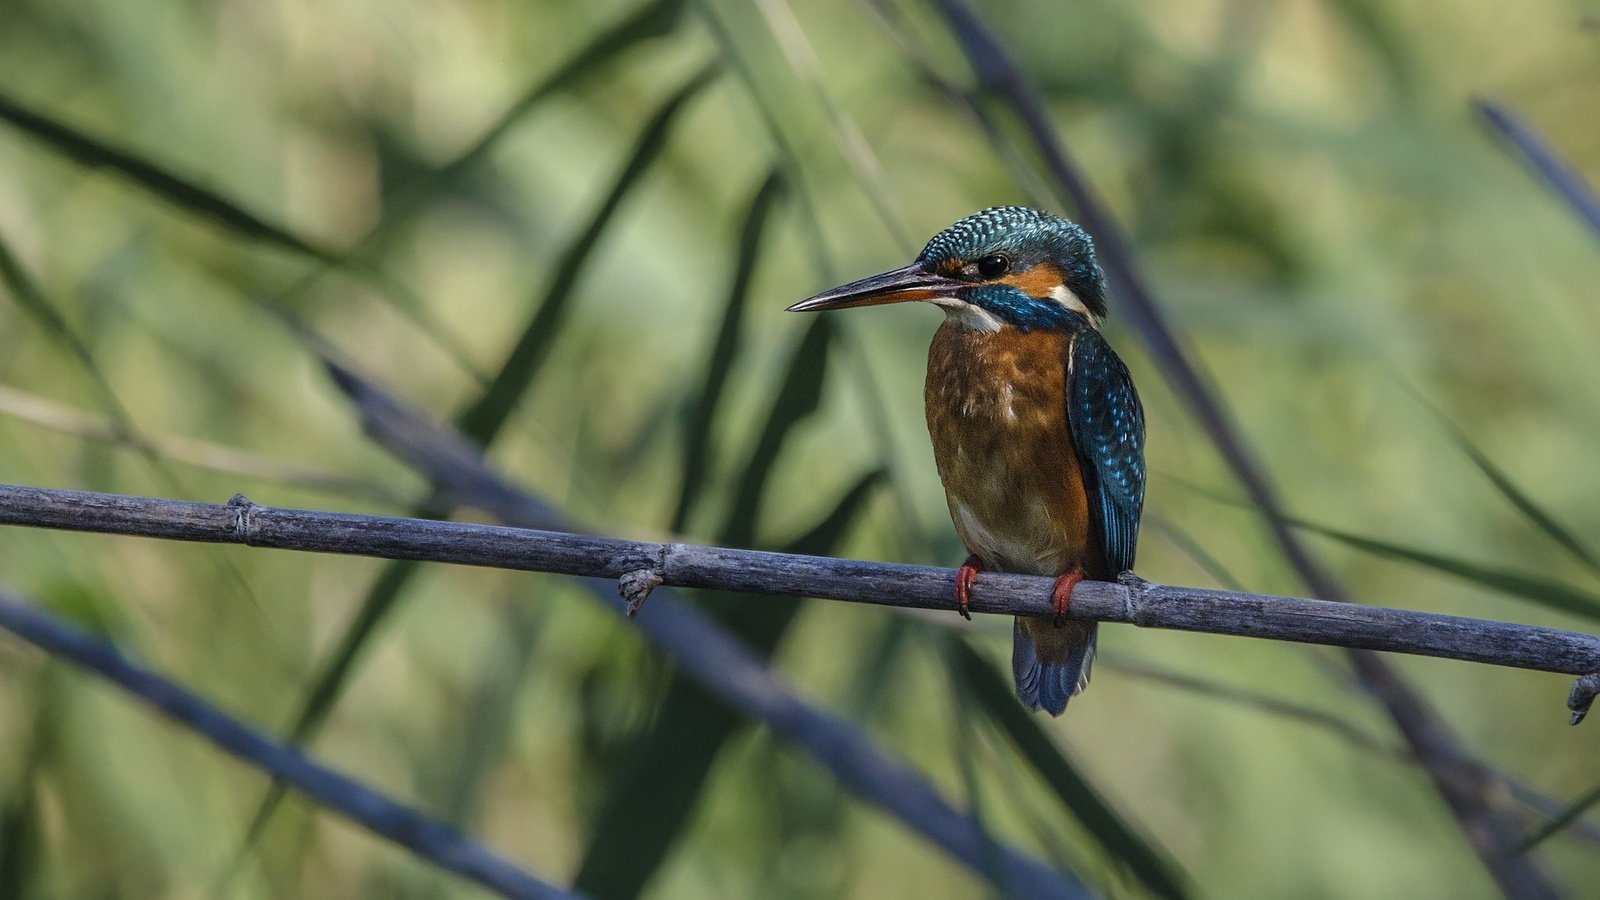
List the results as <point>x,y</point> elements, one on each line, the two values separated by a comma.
<point>575,240</point>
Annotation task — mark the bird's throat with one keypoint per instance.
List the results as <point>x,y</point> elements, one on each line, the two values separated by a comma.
<point>969,317</point>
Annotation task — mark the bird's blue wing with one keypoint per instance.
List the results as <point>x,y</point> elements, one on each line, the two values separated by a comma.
<point>1107,425</point>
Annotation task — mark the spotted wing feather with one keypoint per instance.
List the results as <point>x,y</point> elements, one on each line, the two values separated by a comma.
<point>1107,426</point>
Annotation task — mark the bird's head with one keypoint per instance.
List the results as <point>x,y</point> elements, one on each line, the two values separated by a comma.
<point>1007,266</point>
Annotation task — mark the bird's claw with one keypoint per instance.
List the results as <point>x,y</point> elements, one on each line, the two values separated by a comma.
<point>1061,594</point>
<point>966,577</point>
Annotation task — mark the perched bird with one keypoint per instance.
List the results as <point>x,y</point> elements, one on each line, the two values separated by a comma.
<point>1037,430</point>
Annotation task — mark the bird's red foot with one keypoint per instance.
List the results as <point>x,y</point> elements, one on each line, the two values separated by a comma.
<point>966,576</point>
<point>1061,594</point>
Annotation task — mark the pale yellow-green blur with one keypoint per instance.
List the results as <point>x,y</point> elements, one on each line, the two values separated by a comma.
<point>1312,198</point>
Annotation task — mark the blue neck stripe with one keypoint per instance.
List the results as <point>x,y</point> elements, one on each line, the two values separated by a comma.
<point>1019,310</point>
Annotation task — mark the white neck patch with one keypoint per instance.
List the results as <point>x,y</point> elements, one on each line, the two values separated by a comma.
<point>1064,296</point>
<point>969,316</point>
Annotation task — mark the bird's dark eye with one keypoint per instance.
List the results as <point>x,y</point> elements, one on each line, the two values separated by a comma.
<point>993,266</point>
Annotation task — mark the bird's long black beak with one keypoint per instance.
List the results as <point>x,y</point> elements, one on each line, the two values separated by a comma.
<point>913,282</point>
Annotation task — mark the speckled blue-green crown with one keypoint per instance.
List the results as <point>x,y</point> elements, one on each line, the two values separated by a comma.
<point>1029,236</point>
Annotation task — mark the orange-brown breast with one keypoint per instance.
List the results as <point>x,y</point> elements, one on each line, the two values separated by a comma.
<point>996,405</point>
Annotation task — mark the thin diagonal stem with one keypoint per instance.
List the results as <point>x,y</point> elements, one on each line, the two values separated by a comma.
<point>430,839</point>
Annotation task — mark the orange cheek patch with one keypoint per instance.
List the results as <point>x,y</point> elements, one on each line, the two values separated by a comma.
<point>1037,281</point>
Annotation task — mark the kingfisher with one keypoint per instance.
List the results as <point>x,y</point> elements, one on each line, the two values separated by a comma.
<point>1037,431</point>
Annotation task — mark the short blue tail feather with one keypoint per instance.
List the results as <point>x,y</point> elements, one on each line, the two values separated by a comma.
<point>1048,686</point>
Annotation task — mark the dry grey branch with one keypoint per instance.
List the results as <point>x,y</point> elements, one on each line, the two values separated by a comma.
<point>431,839</point>
<point>1134,601</point>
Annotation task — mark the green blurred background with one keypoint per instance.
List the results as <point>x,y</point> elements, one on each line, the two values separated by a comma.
<point>1328,224</point>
